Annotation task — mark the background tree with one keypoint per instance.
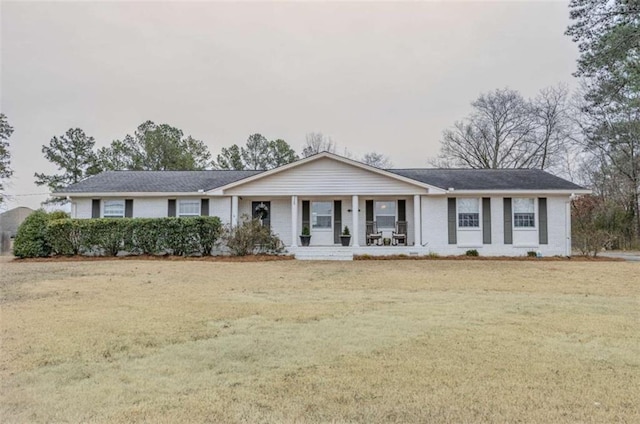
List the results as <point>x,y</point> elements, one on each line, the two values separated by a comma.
<point>608,35</point>
<point>229,158</point>
<point>156,148</point>
<point>378,160</point>
<point>316,142</point>
<point>281,153</point>
<point>507,131</point>
<point>5,155</point>
<point>74,156</point>
<point>257,154</point>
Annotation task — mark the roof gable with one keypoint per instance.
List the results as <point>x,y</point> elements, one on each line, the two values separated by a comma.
<point>326,173</point>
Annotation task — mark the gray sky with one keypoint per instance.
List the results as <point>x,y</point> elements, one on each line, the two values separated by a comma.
<point>386,77</point>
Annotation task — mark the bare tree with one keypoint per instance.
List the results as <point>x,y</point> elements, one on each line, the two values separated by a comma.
<point>317,142</point>
<point>497,134</point>
<point>553,126</point>
<point>377,159</point>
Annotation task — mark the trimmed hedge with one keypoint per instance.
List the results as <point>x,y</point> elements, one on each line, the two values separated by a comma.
<point>31,239</point>
<point>110,236</point>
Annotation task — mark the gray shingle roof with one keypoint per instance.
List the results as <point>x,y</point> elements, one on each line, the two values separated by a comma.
<point>192,181</point>
<point>488,179</point>
<point>156,181</point>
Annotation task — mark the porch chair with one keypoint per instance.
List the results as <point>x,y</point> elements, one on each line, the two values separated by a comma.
<point>399,235</point>
<point>373,235</point>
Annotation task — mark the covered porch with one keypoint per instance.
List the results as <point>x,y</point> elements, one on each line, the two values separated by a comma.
<point>374,222</point>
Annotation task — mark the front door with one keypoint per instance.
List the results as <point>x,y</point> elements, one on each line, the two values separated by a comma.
<point>322,223</point>
<point>262,211</point>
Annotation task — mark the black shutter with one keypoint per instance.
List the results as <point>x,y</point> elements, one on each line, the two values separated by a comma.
<point>453,231</point>
<point>337,220</point>
<point>95,208</point>
<point>204,207</point>
<point>128,208</point>
<point>508,223</point>
<point>171,207</point>
<point>306,214</point>
<point>402,210</point>
<point>486,220</point>
<point>542,221</point>
<point>368,210</point>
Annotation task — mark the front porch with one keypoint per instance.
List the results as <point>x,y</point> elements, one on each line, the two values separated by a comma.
<point>379,222</point>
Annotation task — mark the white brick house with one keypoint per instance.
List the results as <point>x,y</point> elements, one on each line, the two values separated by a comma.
<point>445,211</point>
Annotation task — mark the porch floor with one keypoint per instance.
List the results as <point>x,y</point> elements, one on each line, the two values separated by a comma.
<point>339,253</point>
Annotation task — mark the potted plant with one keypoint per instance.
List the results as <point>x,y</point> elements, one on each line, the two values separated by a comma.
<point>386,241</point>
<point>305,237</point>
<point>345,237</point>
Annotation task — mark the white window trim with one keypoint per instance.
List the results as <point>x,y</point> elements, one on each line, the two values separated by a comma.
<point>186,215</point>
<point>535,217</point>
<point>311,227</point>
<point>479,227</point>
<point>104,204</point>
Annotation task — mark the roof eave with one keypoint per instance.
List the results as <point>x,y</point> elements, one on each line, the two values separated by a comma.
<point>563,191</point>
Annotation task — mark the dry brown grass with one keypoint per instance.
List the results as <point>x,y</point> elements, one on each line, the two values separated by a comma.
<point>388,341</point>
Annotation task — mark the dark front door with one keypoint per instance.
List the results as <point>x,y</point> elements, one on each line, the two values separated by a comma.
<point>262,211</point>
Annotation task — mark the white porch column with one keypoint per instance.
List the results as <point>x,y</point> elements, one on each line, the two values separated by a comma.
<point>234,211</point>
<point>417,220</point>
<point>356,228</point>
<point>294,221</point>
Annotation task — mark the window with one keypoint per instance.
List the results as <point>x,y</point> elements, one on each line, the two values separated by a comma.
<point>385,214</point>
<point>321,215</point>
<point>468,213</point>
<point>113,209</point>
<point>524,215</point>
<point>189,207</point>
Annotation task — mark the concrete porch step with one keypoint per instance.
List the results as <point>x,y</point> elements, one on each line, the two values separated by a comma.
<point>327,253</point>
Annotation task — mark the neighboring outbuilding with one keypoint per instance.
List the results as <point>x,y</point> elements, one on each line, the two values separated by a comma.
<point>9,223</point>
<point>398,211</point>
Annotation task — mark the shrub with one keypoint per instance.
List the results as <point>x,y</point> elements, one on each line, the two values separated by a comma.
<point>472,252</point>
<point>306,231</point>
<point>346,232</point>
<point>109,236</point>
<point>31,239</point>
<point>251,237</point>
<point>532,254</point>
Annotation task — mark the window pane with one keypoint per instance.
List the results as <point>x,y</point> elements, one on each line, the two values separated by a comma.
<point>468,220</point>
<point>321,214</point>
<point>523,205</point>
<point>189,207</point>
<point>524,220</point>
<point>113,209</point>
<point>385,214</point>
<point>468,206</point>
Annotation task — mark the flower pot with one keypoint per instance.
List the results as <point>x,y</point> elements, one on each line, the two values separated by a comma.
<point>304,240</point>
<point>386,241</point>
<point>346,240</point>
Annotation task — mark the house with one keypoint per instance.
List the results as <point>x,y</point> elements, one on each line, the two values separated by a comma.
<point>444,211</point>
<point>9,222</point>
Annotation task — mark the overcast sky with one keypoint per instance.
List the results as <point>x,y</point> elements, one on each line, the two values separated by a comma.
<point>385,77</point>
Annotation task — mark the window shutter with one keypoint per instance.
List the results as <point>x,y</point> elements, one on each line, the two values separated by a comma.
<point>171,207</point>
<point>128,208</point>
<point>95,208</point>
<point>542,221</point>
<point>204,207</point>
<point>306,206</point>
<point>368,207</point>
<point>508,224</point>
<point>453,232</point>
<point>486,220</point>
<point>402,210</point>
<point>337,220</point>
